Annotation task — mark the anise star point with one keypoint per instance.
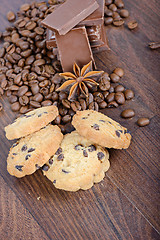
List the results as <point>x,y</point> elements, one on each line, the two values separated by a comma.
<point>80,80</point>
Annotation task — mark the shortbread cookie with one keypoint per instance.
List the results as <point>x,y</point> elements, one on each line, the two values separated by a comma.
<point>31,122</point>
<point>101,129</point>
<point>33,151</point>
<point>77,164</point>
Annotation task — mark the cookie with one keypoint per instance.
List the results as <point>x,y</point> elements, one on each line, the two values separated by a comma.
<point>31,122</point>
<point>77,164</point>
<point>33,151</point>
<point>101,129</point>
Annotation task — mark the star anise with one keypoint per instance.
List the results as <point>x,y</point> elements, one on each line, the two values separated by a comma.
<point>80,81</point>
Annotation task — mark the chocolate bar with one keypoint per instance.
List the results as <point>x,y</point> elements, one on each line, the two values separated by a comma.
<point>74,47</point>
<point>96,18</point>
<point>104,42</point>
<point>69,14</point>
<point>50,39</point>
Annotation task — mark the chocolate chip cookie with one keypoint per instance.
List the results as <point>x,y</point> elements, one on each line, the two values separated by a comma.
<point>77,164</point>
<point>101,129</point>
<point>33,151</point>
<point>31,122</point>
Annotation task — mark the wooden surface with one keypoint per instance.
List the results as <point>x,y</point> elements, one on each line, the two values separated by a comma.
<point>125,205</point>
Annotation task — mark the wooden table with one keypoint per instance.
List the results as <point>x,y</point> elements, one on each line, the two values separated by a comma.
<point>125,204</point>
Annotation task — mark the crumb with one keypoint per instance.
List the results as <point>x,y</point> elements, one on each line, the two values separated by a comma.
<point>38,198</point>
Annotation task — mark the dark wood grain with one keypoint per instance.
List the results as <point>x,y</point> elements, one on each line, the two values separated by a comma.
<point>125,205</point>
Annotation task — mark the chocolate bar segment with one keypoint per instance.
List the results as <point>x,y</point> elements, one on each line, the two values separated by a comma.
<point>103,46</point>
<point>50,39</point>
<point>74,47</point>
<point>96,18</point>
<point>69,14</point>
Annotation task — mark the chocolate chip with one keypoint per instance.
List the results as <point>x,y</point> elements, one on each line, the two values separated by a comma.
<point>37,166</point>
<point>59,150</point>
<point>40,115</point>
<point>101,120</point>
<point>24,148</point>
<point>91,148</point>
<point>31,149</point>
<point>84,118</point>
<point>60,157</point>
<point>127,131</point>
<point>100,155</point>
<point>85,154</point>
<point>51,161</point>
<point>118,133</point>
<point>19,167</point>
<point>45,167</point>
<point>27,116</point>
<point>65,171</point>
<point>14,154</point>
<point>54,181</point>
<point>27,156</point>
<point>95,126</point>
<point>78,146</point>
<point>15,144</point>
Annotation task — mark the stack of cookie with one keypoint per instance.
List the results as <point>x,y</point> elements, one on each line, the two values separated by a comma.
<point>75,161</point>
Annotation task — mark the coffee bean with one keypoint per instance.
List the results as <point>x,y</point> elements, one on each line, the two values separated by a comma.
<point>129,94</point>
<point>112,104</point>
<point>116,16</point>
<point>128,113</point>
<point>105,94</point>
<point>108,21</point>
<point>11,16</point>
<point>35,89</point>
<point>108,12</point>
<point>66,103</point>
<point>30,26</point>
<point>57,120</point>
<point>63,111</point>
<point>39,62</point>
<point>1,107</point>
<point>71,112</point>
<point>142,122</point>
<point>83,104</point>
<point>23,109</point>
<point>66,118</point>
<point>154,45</point>
<point>39,30</point>
<point>26,53</point>
<point>1,91</point>
<point>46,103</point>
<point>62,95</point>
<point>124,13</point>
<point>119,72</point>
<point>119,88</point>
<point>75,106</point>
<point>98,97</point>
<point>14,88</point>
<point>24,100</point>
<point>21,62</point>
<point>2,52</point>
<point>108,2</point>
<point>114,77</point>
<point>132,24</point>
<point>119,97</point>
<point>118,22</point>
<point>102,104</point>
<point>113,7</point>
<point>25,7</point>
<point>93,106</point>
<point>38,97</point>
<point>22,90</point>
<point>110,97</point>
<point>89,99</point>
<point>104,83</point>
<point>15,106</point>
<point>119,3</point>
<point>44,83</point>
<point>35,104</point>
<point>54,96</point>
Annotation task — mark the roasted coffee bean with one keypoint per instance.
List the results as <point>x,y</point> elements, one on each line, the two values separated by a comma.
<point>24,100</point>
<point>11,49</point>
<point>129,94</point>
<point>44,83</point>
<point>89,99</point>
<point>94,106</point>
<point>22,90</point>
<point>10,58</point>
<point>71,112</point>
<point>15,106</point>
<point>35,89</point>
<point>1,107</point>
<point>118,22</point>
<point>110,97</point>
<point>26,53</point>
<point>1,91</point>
<point>75,106</point>
<point>66,118</point>
<point>21,62</point>
<point>128,113</point>
<point>23,109</point>
<point>124,13</point>
<point>98,97</point>
<point>14,88</point>
<point>102,104</point>
<point>4,84</point>
<point>132,24</point>
<point>39,62</point>
<point>57,120</point>
<point>48,97</point>
<point>105,94</point>
<point>119,88</point>
<point>38,97</point>
<point>66,103</point>
<point>35,104</point>
<point>119,72</point>
<point>44,91</point>
<point>116,16</point>
<point>142,122</point>
<point>39,30</point>
<point>25,7</point>
<point>29,60</point>
<point>114,77</point>
<point>112,104</point>
<point>62,127</point>
<point>54,96</point>
<point>113,7</point>
<point>28,94</point>
<point>30,26</point>
<point>11,16</point>
<point>63,111</point>
<point>154,45</point>
<point>108,12</point>
<point>57,66</point>
<point>62,95</point>
<point>108,2</point>
<point>119,98</point>
<point>108,21</point>
<point>104,83</point>
<point>119,3</point>
<point>2,52</point>
<point>46,103</point>
<point>83,104</point>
